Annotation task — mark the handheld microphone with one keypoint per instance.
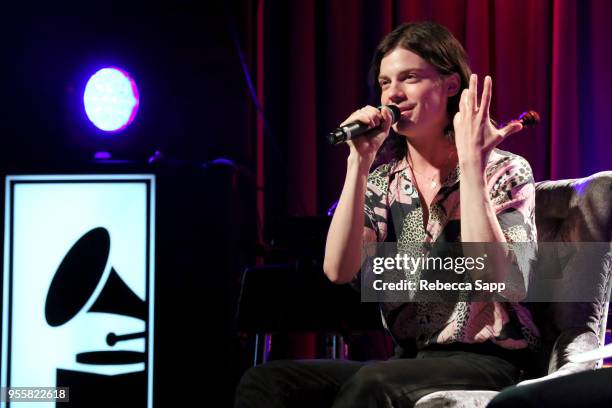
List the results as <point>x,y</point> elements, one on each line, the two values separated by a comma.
<point>354,130</point>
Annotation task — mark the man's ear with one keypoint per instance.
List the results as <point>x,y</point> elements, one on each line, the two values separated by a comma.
<point>453,84</point>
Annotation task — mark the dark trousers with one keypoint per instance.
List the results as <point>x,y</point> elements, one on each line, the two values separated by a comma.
<point>392,383</point>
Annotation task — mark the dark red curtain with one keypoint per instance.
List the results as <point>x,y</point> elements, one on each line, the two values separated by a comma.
<point>550,56</point>
<point>311,60</point>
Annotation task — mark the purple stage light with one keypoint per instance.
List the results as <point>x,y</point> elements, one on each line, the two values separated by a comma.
<point>111,99</point>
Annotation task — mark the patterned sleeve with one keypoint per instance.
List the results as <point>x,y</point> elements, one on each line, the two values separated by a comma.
<point>375,211</point>
<point>512,193</point>
<point>376,204</point>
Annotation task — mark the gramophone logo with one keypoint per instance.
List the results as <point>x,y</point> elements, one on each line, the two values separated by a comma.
<point>78,287</point>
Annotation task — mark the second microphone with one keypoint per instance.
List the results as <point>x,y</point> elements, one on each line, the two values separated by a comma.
<point>355,129</point>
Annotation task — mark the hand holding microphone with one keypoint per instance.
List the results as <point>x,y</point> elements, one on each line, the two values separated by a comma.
<point>368,121</point>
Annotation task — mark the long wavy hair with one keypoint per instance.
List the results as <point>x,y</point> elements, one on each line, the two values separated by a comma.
<point>436,45</point>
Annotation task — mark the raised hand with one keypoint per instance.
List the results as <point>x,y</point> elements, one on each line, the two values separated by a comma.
<point>475,134</point>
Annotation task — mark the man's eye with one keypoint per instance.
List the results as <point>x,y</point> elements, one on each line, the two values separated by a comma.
<point>383,83</point>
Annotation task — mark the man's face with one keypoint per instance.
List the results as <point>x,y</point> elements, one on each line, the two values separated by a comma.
<point>421,93</point>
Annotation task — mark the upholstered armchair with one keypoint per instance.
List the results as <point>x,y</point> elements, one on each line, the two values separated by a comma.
<point>568,212</point>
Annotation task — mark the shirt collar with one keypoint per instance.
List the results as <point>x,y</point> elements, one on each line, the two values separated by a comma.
<point>402,166</point>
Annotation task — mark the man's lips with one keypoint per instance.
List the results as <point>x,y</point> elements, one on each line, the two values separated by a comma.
<point>406,110</point>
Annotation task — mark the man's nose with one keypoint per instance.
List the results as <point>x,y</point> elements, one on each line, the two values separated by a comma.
<point>396,93</point>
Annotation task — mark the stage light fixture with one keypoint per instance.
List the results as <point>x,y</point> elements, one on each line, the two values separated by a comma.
<point>111,99</point>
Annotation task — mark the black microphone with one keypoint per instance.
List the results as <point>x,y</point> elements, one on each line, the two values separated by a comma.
<point>354,130</point>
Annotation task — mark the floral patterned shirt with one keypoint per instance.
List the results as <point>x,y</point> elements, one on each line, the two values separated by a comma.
<point>393,211</point>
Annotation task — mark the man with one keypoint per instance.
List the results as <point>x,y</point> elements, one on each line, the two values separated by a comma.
<point>444,148</point>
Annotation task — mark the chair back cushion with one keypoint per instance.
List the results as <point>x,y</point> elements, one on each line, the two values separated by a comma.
<point>568,214</point>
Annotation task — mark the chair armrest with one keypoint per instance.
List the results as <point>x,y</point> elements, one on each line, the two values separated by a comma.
<point>456,399</point>
<point>571,342</point>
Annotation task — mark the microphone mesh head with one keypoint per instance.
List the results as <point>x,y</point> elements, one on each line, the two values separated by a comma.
<point>529,118</point>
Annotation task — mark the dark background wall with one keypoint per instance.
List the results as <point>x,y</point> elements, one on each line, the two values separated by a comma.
<point>187,67</point>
